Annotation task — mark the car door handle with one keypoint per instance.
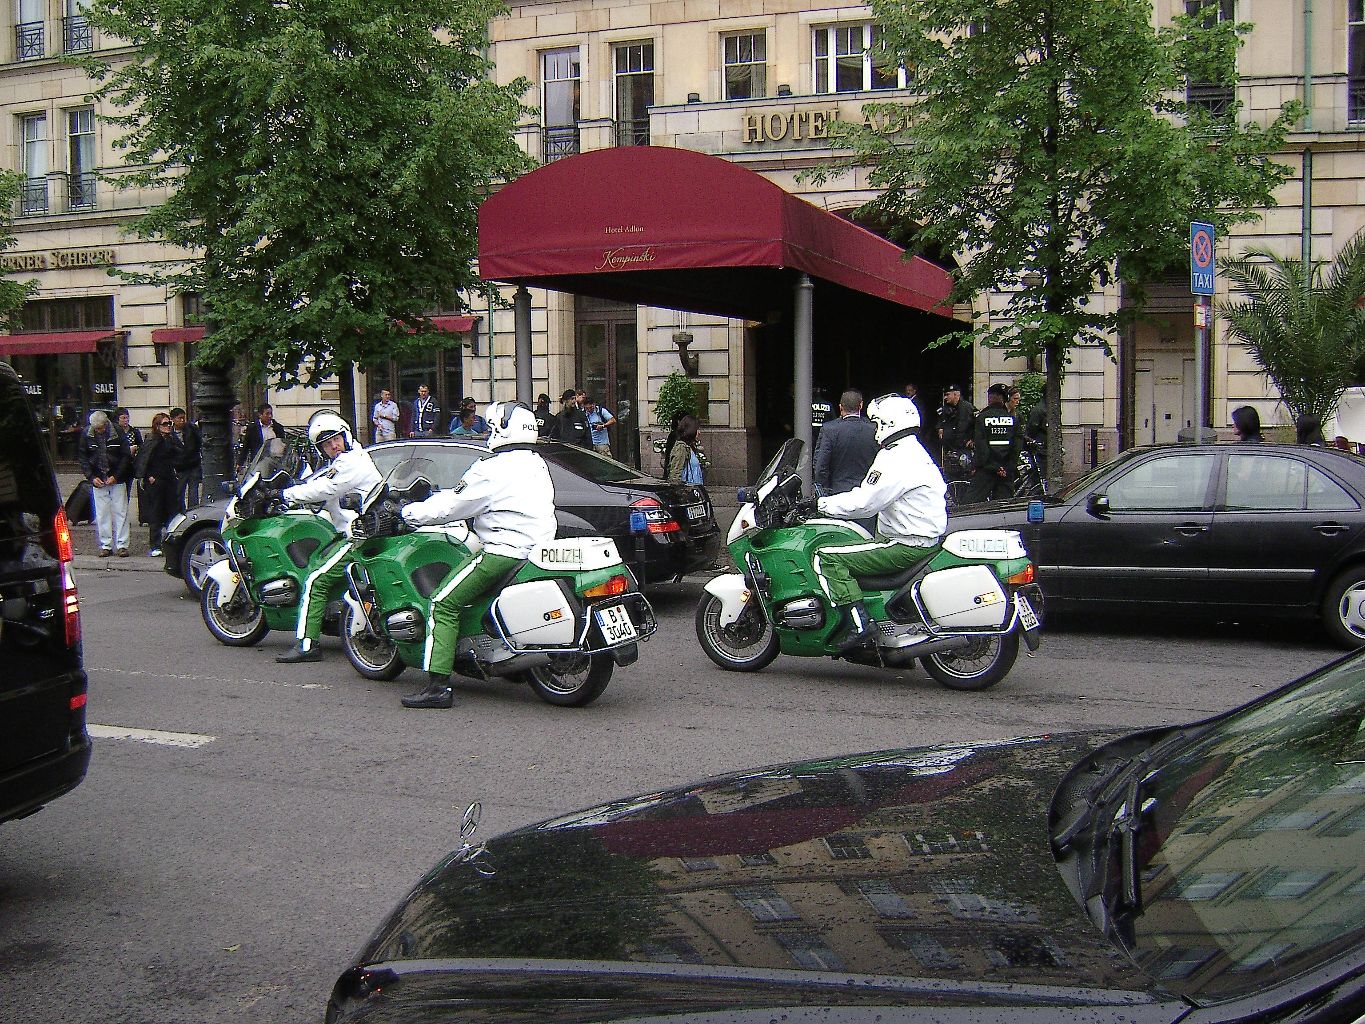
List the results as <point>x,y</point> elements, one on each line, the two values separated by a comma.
<point>1190,529</point>
<point>1331,529</point>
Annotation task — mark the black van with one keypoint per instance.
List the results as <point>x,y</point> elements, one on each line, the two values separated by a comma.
<point>44,748</point>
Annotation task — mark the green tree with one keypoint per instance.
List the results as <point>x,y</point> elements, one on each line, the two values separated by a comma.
<point>1304,325</point>
<point>325,158</point>
<point>1048,144</point>
<point>677,394</point>
<point>13,293</point>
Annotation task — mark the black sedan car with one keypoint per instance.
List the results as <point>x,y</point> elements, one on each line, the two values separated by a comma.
<point>1218,529</point>
<point>594,496</point>
<point>1204,873</point>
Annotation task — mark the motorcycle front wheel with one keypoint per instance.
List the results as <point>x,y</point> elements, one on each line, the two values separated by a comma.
<point>746,645</point>
<point>979,665</point>
<point>374,657</point>
<point>571,680</point>
<point>239,623</point>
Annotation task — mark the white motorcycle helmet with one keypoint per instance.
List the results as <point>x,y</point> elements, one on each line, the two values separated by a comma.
<point>894,416</point>
<point>510,423</point>
<point>323,426</point>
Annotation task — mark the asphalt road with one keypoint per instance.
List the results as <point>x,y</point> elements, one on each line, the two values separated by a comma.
<point>224,865</point>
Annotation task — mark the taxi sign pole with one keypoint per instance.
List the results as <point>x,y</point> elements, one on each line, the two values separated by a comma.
<point>1201,284</point>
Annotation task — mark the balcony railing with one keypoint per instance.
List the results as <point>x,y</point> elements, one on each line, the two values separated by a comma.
<point>32,196</point>
<point>559,141</point>
<point>1216,100</point>
<point>80,191</point>
<point>28,40</point>
<point>632,131</point>
<point>76,34</point>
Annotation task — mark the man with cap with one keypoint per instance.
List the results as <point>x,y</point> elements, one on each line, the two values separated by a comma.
<point>571,425</point>
<point>544,417</point>
<point>996,444</point>
<point>955,422</point>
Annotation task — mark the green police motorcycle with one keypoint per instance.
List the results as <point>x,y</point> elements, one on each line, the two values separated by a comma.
<point>561,622</point>
<point>256,587</point>
<point>961,611</point>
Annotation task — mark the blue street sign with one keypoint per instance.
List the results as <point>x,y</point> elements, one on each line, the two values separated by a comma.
<point>1201,258</point>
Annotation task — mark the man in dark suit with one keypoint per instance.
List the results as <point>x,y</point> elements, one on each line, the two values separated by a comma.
<point>845,450</point>
<point>264,426</point>
<point>426,414</point>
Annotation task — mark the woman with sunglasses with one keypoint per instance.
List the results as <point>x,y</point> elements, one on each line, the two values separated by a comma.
<point>160,492</point>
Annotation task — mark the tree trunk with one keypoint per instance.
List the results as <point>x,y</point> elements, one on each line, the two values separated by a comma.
<point>212,400</point>
<point>346,396</point>
<point>1054,365</point>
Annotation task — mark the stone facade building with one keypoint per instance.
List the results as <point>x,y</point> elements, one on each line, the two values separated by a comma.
<point>754,82</point>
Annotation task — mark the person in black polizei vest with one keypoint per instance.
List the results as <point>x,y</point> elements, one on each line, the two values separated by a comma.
<point>996,446</point>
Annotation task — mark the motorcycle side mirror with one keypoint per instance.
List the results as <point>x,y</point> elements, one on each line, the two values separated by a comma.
<point>420,490</point>
<point>351,502</point>
<point>1098,505</point>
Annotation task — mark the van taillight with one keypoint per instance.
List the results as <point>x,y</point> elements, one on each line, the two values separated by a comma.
<point>71,606</point>
<point>62,529</point>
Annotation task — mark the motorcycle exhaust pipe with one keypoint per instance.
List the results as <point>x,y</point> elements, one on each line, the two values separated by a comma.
<point>912,651</point>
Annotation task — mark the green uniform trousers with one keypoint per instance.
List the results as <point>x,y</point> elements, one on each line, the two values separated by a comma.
<point>458,591</point>
<point>837,565</point>
<point>325,581</point>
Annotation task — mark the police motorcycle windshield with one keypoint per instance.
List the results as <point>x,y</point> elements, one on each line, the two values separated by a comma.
<point>275,461</point>
<point>783,464</point>
<point>410,480</point>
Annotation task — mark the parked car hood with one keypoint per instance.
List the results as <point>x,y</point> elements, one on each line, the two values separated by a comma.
<point>893,880</point>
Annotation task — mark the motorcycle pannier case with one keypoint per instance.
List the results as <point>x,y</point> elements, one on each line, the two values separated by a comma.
<point>964,597</point>
<point>536,614</point>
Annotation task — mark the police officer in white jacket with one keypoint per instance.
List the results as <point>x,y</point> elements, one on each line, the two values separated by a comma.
<point>509,501</point>
<point>904,489</point>
<point>349,468</point>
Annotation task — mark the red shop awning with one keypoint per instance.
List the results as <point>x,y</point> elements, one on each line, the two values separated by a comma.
<point>55,343</point>
<point>668,227</point>
<point>454,324</point>
<point>177,335</point>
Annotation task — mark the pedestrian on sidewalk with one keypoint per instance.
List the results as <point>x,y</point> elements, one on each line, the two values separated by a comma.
<point>190,473</point>
<point>164,454</point>
<point>107,464</point>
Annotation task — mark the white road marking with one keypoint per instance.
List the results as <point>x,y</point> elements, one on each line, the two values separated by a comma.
<point>156,736</point>
<point>184,677</point>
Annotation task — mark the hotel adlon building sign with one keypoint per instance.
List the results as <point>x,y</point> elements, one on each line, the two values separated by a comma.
<point>810,125</point>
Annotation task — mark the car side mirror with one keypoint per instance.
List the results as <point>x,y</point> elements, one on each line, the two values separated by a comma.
<point>1098,505</point>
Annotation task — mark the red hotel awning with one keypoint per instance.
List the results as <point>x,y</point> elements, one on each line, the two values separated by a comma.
<point>181,335</point>
<point>177,335</point>
<point>55,343</point>
<point>668,227</point>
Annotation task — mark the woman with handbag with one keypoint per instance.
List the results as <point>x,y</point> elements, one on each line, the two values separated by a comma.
<point>161,494</point>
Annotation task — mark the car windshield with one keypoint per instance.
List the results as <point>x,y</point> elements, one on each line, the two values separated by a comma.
<point>597,468</point>
<point>1250,857</point>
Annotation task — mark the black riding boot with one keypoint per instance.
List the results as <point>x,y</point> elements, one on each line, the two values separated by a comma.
<point>858,632</point>
<point>303,650</point>
<point>438,693</point>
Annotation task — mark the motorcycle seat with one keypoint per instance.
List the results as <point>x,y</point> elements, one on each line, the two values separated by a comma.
<point>896,580</point>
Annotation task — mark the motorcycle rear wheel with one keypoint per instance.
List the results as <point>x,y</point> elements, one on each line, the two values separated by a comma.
<point>571,680</point>
<point>978,666</point>
<point>743,646</point>
<point>374,657</point>
<point>239,623</point>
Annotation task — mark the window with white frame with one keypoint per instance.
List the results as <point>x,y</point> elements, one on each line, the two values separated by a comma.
<point>29,17</point>
<point>1355,60</point>
<point>34,163</point>
<point>80,132</point>
<point>854,58</point>
<point>765,903</point>
<point>634,89</point>
<point>561,79</point>
<point>746,65</point>
<point>1214,97</point>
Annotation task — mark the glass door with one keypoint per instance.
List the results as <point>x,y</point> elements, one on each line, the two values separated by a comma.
<point>607,369</point>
